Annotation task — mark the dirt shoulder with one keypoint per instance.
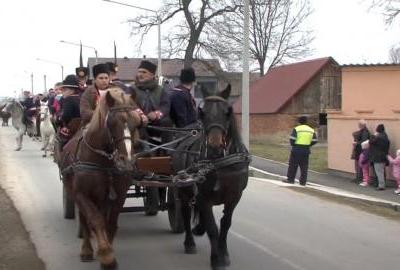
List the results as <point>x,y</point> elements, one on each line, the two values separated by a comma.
<point>17,251</point>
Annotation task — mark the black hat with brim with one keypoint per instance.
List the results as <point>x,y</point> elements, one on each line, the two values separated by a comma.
<point>148,66</point>
<point>71,81</point>
<point>99,69</point>
<point>187,75</point>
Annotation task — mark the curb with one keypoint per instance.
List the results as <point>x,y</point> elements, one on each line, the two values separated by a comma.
<point>330,191</point>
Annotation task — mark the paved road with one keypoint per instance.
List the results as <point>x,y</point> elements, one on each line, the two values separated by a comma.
<point>274,228</point>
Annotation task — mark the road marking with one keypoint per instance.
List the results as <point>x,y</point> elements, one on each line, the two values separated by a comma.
<point>266,250</point>
<point>278,162</point>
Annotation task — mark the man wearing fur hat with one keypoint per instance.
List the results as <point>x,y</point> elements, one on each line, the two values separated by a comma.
<point>92,94</point>
<point>183,106</point>
<point>152,98</point>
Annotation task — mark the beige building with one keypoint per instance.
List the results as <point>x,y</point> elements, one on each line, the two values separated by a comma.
<point>370,92</point>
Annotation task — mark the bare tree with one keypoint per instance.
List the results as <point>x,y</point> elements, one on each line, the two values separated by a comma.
<point>277,33</point>
<point>390,8</point>
<point>192,16</point>
<point>394,55</point>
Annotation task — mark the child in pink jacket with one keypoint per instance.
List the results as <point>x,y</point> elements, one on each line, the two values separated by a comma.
<point>396,169</point>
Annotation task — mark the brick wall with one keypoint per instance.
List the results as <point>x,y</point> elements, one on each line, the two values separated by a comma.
<point>269,123</point>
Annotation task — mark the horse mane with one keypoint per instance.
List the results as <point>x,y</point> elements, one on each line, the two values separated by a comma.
<point>100,113</point>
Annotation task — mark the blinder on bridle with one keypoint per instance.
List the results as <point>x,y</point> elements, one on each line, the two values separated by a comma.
<point>109,118</point>
<point>209,126</point>
<point>114,141</point>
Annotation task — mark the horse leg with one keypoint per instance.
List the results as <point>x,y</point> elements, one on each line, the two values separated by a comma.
<point>189,244</point>
<point>19,140</point>
<point>121,190</point>
<point>45,140</point>
<point>96,222</point>
<point>86,247</point>
<point>226,222</point>
<point>212,233</point>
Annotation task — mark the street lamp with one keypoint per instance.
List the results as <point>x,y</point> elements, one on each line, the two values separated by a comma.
<point>159,69</point>
<point>77,44</point>
<point>245,77</point>
<point>52,62</point>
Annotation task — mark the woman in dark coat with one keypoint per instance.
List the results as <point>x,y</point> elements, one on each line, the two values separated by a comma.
<point>379,149</point>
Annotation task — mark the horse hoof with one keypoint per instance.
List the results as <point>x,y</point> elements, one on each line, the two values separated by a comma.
<point>42,149</point>
<point>44,155</point>
<point>226,260</point>
<point>111,266</point>
<point>190,250</point>
<point>219,267</point>
<point>18,149</point>
<point>87,258</point>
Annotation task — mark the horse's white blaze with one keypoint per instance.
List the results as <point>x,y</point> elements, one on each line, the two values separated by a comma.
<point>128,142</point>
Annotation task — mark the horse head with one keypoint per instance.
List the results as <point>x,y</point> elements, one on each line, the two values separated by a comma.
<point>118,117</point>
<point>216,114</point>
<point>44,111</point>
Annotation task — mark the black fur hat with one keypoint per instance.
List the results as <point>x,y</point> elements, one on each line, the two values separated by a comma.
<point>100,68</point>
<point>187,75</point>
<point>148,66</point>
<point>112,67</point>
<point>71,81</point>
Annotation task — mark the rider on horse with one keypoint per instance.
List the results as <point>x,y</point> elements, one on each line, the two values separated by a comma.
<point>30,108</point>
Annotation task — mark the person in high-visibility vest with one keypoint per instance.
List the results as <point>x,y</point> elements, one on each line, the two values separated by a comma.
<point>301,139</point>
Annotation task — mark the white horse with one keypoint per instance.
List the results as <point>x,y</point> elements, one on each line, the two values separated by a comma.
<point>17,113</point>
<point>47,131</point>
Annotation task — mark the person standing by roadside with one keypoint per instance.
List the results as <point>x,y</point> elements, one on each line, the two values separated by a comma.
<point>359,136</point>
<point>396,169</point>
<point>301,139</point>
<point>379,149</point>
<point>363,163</point>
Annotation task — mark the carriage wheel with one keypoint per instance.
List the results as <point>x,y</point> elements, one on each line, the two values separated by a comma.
<point>174,212</point>
<point>151,201</point>
<point>68,205</point>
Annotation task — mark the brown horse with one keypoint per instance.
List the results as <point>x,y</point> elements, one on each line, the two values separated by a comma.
<point>95,165</point>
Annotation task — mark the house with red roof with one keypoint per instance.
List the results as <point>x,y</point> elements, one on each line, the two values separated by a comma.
<point>288,91</point>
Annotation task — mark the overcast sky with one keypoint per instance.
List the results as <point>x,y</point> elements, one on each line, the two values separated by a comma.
<point>344,29</point>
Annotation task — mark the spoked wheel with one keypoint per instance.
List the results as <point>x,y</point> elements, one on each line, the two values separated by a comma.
<point>68,205</point>
<point>174,212</point>
<point>151,201</point>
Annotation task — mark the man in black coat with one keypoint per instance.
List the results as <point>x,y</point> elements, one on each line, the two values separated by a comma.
<point>359,136</point>
<point>70,111</point>
<point>379,149</point>
<point>183,106</point>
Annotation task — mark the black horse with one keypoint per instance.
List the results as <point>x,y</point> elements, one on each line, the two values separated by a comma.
<point>220,145</point>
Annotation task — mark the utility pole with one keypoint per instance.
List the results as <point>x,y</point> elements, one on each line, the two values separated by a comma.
<point>32,83</point>
<point>245,78</point>
<point>45,87</point>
